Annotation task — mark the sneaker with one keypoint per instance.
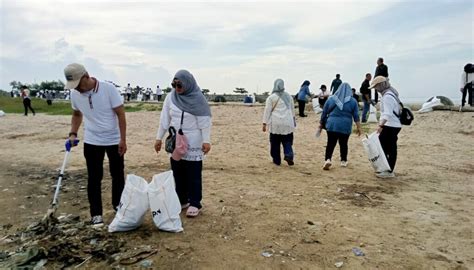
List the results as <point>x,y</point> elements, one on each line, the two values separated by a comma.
<point>289,161</point>
<point>385,174</point>
<point>344,163</point>
<point>327,165</point>
<point>97,221</point>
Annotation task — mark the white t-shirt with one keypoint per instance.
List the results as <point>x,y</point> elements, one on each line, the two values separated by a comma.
<point>197,129</point>
<point>388,107</point>
<point>281,120</point>
<point>159,91</point>
<point>100,120</point>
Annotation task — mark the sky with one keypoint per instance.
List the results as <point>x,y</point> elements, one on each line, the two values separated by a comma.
<point>229,44</point>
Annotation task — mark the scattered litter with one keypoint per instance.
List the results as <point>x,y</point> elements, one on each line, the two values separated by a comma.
<point>267,254</point>
<point>146,263</point>
<point>310,222</point>
<point>339,264</point>
<point>358,252</point>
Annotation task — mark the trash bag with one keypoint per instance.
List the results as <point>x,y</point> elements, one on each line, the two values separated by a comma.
<point>133,205</point>
<point>317,109</point>
<point>430,104</point>
<point>2,113</point>
<point>372,114</point>
<point>374,150</point>
<point>164,202</point>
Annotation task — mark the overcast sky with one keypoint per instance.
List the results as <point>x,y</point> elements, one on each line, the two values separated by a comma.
<point>240,44</point>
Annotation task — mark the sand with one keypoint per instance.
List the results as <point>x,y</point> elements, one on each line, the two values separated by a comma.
<point>304,217</point>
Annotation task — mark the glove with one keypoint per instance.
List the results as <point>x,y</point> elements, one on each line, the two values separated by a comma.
<point>68,144</point>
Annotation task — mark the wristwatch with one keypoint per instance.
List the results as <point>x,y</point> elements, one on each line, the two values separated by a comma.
<point>72,133</point>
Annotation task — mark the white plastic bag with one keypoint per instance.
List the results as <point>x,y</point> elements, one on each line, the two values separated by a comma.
<point>164,202</point>
<point>2,113</point>
<point>133,205</point>
<point>372,114</point>
<point>317,109</point>
<point>374,150</point>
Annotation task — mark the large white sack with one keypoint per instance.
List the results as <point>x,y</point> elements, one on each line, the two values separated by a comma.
<point>372,114</point>
<point>133,205</point>
<point>317,109</point>
<point>164,202</point>
<point>429,105</point>
<point>374,150</point>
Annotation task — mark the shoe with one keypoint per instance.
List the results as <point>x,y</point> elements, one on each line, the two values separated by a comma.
<point>97,221</point>
<point>289,161</point>
<point>460,108</point>
<point>385,174</point>
<point>327,165</point>
<point>344,163</point>
<point>184,206</point>
<point>192,212</point>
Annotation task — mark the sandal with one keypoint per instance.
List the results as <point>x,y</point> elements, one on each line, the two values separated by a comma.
<point>192,212</point>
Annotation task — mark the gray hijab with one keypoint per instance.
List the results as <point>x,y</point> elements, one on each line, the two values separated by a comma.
<point>279,90</point>
<point>192,100</point>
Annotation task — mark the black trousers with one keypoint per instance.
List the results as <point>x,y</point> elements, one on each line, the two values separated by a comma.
<point>188,178</point>
<point>467,91</point>
<point>27,105</point>
<point>159,97</point>
<point>388,139</point>
<point>49,102</point>
<point>128,96</point>
<point>301,105</point>
<point>94,155</point>
<point>333,138</point>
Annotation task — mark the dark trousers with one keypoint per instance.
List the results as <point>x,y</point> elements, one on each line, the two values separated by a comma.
<point>128,96</point>
<point>365,110</point>
<point>467,91</point>
<point>49,102</point>
<point>159,97</point>
<point>27,105</point>
<point>188,178</point>
<point>94,155</point>
<point>376,97</point>
<point>388,139</point>
<point>275,141</point>
<point>333,138</point>
<point>301,105</point>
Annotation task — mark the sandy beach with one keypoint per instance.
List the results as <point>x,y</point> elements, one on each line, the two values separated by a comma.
<point>301,217</point>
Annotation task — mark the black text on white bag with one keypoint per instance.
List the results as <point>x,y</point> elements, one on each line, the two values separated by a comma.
<point>133,205</point>
<point>374,150</point>
<point>164,202</point>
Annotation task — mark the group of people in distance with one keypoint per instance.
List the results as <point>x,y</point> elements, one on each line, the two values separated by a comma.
<point>145,94</point>
<point>339,111</point>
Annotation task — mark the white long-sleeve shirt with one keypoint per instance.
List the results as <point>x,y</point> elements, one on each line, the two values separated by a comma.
<point>388,108</point>
<point>281,120</point>
<point>197,129</point>
<point>466,78</point>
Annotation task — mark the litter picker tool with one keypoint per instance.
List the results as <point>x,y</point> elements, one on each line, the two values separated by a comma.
<point>54,204</point>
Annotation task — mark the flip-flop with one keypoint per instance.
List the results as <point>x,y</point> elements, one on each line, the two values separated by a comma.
<point>192,212</point>
<point>184,206</point>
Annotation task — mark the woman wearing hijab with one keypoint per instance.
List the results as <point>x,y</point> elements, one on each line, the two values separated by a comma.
<point>301,97</point>
<point>337,116</point>
<point>389,123</point>
<point>279,120</point>
<point>187,102</point>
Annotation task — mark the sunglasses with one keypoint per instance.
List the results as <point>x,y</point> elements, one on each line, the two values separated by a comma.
<point>176,85</point>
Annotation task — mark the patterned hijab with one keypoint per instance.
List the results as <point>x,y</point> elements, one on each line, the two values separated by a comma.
<point>192,99</point>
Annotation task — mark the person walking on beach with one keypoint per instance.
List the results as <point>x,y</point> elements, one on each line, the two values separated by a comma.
<point>49,98</point>
<point>159,93</point>
<point>25,94</point>
<point>337,116</point>
<point>366,96</point>
<point>186,107</point>
<point>100,104</point>
<point>389,123</point>
<point>128,91</point>
<point>301,97</point>
<point>467,89</point>
<point>279,120</point>
<point>335,84</point>
<point>381,70</point>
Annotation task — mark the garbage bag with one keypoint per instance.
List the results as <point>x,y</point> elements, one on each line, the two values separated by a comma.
<point>133,205</point>
<point>317,109</point>
<point>374,150</point>
<point>372,114</point>
<point>2,113</point>
<point>164,202</point>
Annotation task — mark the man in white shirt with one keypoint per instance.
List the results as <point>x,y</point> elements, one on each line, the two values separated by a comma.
<point>159,93</point>
<point>100,105</point>
<point>467,79</point>
<point>128,91</point>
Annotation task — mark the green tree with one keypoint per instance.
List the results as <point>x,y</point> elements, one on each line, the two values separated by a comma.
<point>205,91</point>
<point>167,90</point>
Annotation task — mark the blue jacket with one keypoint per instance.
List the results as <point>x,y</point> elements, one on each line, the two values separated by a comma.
<point>340,121</point>
<point>304,91</point>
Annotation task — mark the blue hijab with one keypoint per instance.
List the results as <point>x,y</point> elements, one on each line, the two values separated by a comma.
<point>342,95</point>
<point>279,89</point>
<point>192,100</point>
